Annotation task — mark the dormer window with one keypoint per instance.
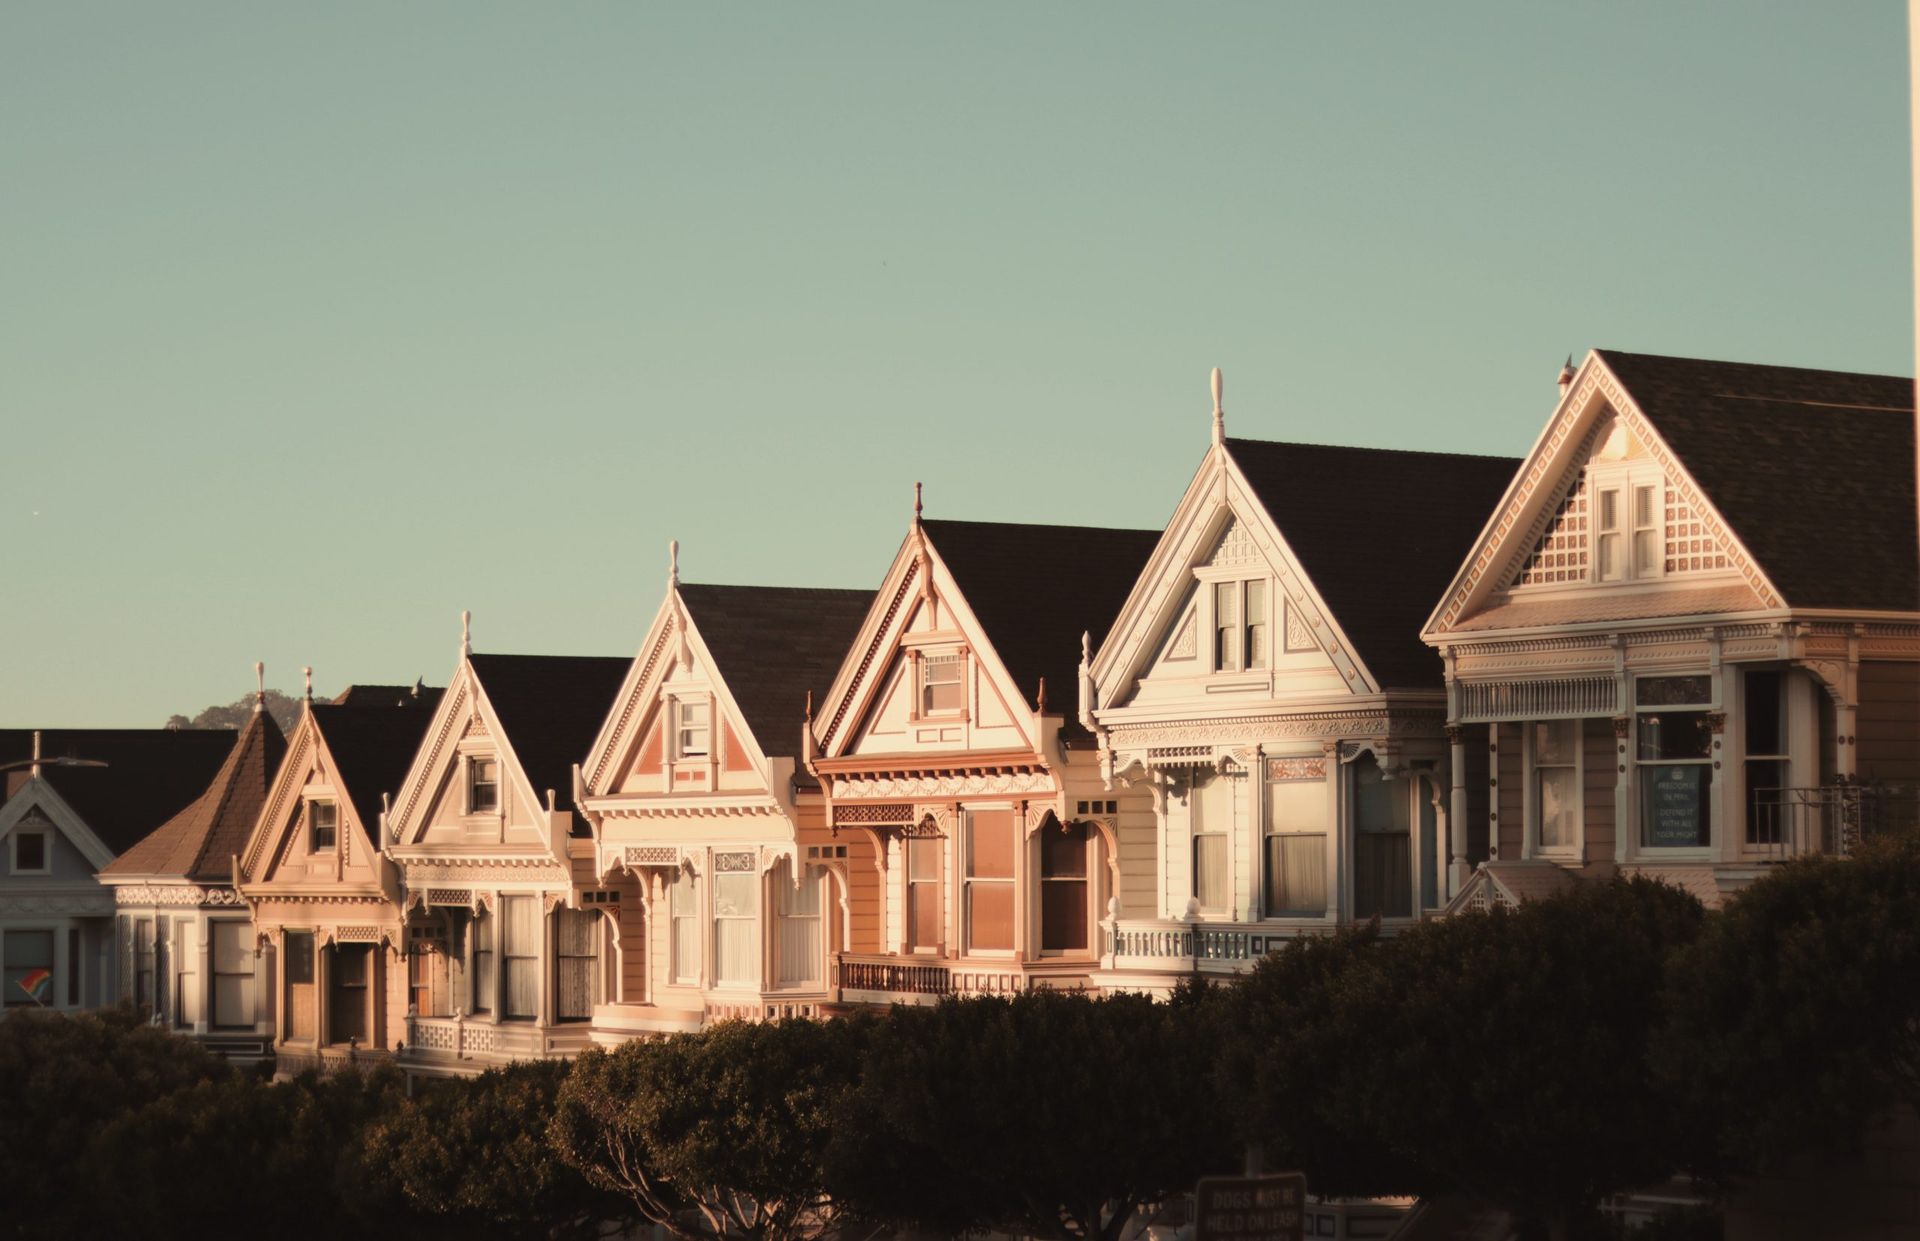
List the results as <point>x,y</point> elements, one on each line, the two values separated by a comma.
<point>483,785</point>
<point>1239,625</point>
<point>323,818</point>
<point>943,684</point>
<point>694,724</point>
<point>29,852</point>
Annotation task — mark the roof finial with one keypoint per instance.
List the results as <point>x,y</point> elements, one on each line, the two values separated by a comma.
<point>1566,375</point>
<point>1219,415</point>
<point>809,706</point>
<point>916,502</point>
<point>34,771</point>
<point>259,687</point>
<point>673,563</point>
<point>1086,647</point>
<point>1040,701</point>
<point>307,672</point>
<point>466,634</point>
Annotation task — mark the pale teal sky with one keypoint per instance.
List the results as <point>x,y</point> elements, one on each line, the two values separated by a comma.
<point>321,322</point>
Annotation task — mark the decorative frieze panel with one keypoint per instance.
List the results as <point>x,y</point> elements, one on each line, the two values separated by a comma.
<point>1561,554</point>
<point>357,935</point>
<point>735,863</point>
<point>186,895</point>
<point>930,787</point>
<point>1314,769</point>
<point>883,812</point>
<point>1204,735</point>
<point>72,905</point>
<point>449,896</point>
<point>651,855</point>
<point>1534,700</point>
<point>1235,548</point>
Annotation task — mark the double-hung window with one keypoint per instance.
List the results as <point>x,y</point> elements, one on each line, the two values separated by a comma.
<point>143,954</point>
<point>1556,785</point>
<point>923,893</point>
<point>1240,629</point>
<point>1296,853</point>
<point>30,851</point>
<point>943,683</point>
<point>736,905</point>
<point>520,955</point>
<point>323,821</point>
<point>1627,514</point>
<point>1064,876</point>
<point>485,961</point>
<point>576,941</point>
<point>1382,843</point>
<point>695,728</point>
<point>29,968</point>
<point>483,785</point>
<point>988,880</point>
<point>233,967</point>
<point>1764,702</point>
<point>1210,806</point>
<point>800,952</point>
<point>684,906</point>
<point>1673,760</point>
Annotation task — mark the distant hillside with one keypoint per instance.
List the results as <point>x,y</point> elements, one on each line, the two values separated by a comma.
<point>284,709</point>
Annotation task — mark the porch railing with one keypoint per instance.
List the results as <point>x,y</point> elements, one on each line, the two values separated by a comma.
<point>1832,819</point>
<point>1162,945</point>
<point>878,974</point>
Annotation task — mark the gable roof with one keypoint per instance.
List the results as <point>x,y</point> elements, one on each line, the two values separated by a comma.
<point>772,645</point>
<point>200,841</point>
<point>1380,587</point>
<point>372,738</point>
<point>551,707</point>
<point>151,774</point>
<point>1035,589</point>
<point>1812,469</point>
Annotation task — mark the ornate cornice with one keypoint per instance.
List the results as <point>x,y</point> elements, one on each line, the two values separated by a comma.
<point>1254,728</point>
<point>451,714</point>
<point>632,703</point>
<point>941,787</point>
<point>176,894</point>
<point>69,904</point>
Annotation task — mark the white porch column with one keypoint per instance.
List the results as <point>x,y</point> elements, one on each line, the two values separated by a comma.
<point>1458,868</point>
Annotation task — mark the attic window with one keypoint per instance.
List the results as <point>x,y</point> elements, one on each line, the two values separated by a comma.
<point>943,684</point>
<point>695,728</point>
<point>483,785</point>
<point>1239,625</point>
<point>29,852</point>
<point>323,819</point>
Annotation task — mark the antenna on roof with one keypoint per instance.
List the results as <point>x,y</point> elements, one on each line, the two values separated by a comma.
<point>307,672</point>
<point>466,634</point>
<point>259,687</point>
<point>1219,415</point>
<point>673,563</point>
<point>1566,375</point>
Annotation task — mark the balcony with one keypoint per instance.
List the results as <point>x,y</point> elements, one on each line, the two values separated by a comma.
<point>1170,947</point>
<point>1831,819</point>
<point>862,978</point>
<point>466,1045</point>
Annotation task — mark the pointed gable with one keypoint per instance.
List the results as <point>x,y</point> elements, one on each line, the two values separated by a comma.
<point>1378,532</point>
<point>1036,589</point>
<point>150,774</point>
<point>200,841</point>
<point>549,707</point>
<point>772,646</point>
<point>371,738</point>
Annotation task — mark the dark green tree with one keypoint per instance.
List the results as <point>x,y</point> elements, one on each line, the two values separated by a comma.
<point>1795,1018</point>
<point>1047,1114</point>
<point>721,1131</point>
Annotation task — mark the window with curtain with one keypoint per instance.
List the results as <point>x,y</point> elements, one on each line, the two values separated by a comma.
<point>1210,807</point>
<point>1064,878</point>
<point>1383,843</point>
<point>486,985</point>
<point>576,961</point>
<point>520,957</point>
<point>1556,784</point>
<point>233,966</point>
<point>1296,840</point>
<point>29,968</point>
<point>736,946</point>
<point>323,820</point>
<point>684,905</point>
<point>483,785</point>
<point>988,880</point>
<point>923,893</point>
<point>301,1008</point>
<point>800,952</point>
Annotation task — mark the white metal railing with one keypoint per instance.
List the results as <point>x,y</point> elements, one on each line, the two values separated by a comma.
<point>1786,823</point>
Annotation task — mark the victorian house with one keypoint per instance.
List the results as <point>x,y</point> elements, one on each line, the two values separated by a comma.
<point>187,943</point>
<point>732,894</point>
<point>71,800</point>
<point>1265,684</point>
<point>323,896</point>
<point>1687,641</point>
<point>947,745</point>
<point>508,955</point>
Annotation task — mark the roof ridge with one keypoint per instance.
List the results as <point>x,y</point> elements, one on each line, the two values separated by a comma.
<point>1395,452</point>
<point>1771,366</point>
<point>1034,525</point>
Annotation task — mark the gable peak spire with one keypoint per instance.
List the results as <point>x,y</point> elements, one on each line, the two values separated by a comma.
<point>673,563</point>
<point>307,672</point>
<point>259,686</point>
<point>1219,414</point>
<point>1566,375</point>
<point>466,633</point>
<point>916,502</point>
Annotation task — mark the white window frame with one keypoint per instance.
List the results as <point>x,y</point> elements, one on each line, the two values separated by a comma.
<point>683,928</point>
<point>968,881</point>
<point>56,981</point>
<point>923,662</point>
<point>681,726</point>
<point>46,850</point>
<point>313,807</point>
<point>1625,479</point>
<point>1531,844</point>
<point>471,771</point>
<point>1636,808</point>
<point>1237,635</point>
<point>753,881</point>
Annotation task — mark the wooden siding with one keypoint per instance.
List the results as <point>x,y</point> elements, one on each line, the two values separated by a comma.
<point>1600,759</point>
<point>1512,791</point>
<point>1889,721</point>
<point>1479,802</point>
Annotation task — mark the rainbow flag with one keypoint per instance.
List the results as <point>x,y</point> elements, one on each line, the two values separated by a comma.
<point>34,983</point>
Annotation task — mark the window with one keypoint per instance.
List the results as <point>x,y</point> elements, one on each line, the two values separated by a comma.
<point>29,968</point>
<point>1556,785</point>
<point>1210,806</point>
<point>1627,536</point>
<point>520,955</point>
<point>347,991</point>
<point>1673,755</point>
<point>1255,628</point>
<point>322,821</point>
<point>1296,860</point>
<point>1646,532</point>
<point>1382,843</point>
<point>943,683</point>
<point>695,727</point>
<point>1063,888</point>
<point>989,880</point>
<point>483,785</point>
<point>1606,539</point>
<point>923,893</point>
<point>143,962</point>
<point>429,970</point>
<point>736,948</point>
<point>1239,626</point>
<point>299,970</point>
<point>800,952</point>
<point>233,965</point>
<point>484,962</point>
<point>576,951</point>
<point>684,902</point>
<point>1765,716</point>
<point>29,852</point>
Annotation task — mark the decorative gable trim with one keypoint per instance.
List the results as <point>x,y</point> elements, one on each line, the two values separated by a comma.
<point>453,710</point>
<point>302,756</point>
<point>633,695</point>
<point>39,793</point>
<point>850,682</point>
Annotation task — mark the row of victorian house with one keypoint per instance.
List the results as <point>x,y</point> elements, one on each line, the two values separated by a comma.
<point>1680,638</point>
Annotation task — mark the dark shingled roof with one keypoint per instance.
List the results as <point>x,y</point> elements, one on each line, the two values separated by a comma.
<point>551,707</point>
<point>1036,589</point>
<point>1380,583</point>
<point>773,645</point>
<point>1812,469</point>
<point>373,737</point>
<point>201,840</point>
<point>151,773</point>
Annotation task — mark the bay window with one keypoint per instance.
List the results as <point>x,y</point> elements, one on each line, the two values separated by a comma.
<point>1555,757</point>
<point>1382,839</point>
<point>1673,761</point>
<point>233,968</point>
<point>988,880</point>
<point>736,904</point>
<point>1063,888</point>
<point>520,957</point>
<point>684,910</point>
<point>923,893</point>
<point>1296,840</point>
<point>798,913</point>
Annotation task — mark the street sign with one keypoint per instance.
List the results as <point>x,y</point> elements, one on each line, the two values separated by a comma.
<point>1250,1208</point>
